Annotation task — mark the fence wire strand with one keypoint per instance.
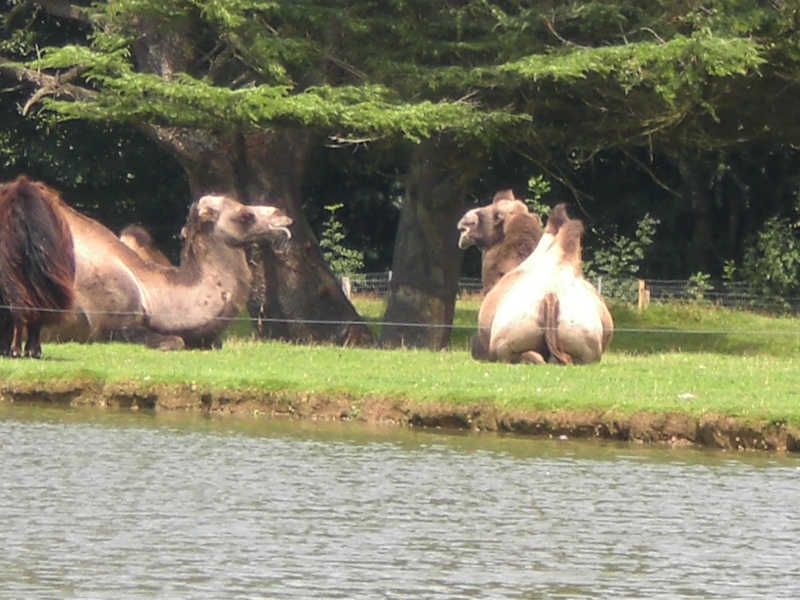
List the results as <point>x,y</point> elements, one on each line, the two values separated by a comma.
<point>729,295</point>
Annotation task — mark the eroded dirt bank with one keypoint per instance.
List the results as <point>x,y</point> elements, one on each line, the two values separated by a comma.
<point>675,429</point>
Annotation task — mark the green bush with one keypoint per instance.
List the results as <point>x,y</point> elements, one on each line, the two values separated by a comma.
<point>771,263</point>
<point>618,261</point>
<point>342,260</point>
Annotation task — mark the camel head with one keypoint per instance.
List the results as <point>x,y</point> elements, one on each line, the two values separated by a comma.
<point>485,227</point>
<point>236,223</point>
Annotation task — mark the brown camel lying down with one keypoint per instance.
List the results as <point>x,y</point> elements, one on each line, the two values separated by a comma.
<point>120,296</point>
<point>544,310</point>
<point>505,233</point>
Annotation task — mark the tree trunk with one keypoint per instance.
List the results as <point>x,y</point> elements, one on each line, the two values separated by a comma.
<point>701,246</point>
<point>427,260</point>
<point>295,295</point>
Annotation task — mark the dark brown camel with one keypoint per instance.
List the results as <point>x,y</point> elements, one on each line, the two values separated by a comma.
<point>37,265</point>
<point>120,296</point>
<point>504,231</point>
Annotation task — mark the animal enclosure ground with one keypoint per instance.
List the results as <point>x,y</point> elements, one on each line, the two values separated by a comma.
<point>678,374</point>
<point>663,327</point>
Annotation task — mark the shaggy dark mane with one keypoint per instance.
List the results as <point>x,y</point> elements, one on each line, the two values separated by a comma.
<point>37,263</point>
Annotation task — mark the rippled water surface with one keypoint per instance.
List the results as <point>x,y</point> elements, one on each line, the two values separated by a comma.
<point>98,504</point>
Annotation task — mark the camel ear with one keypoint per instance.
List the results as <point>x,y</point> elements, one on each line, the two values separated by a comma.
<point>208,208</point>
<point>206,213</point>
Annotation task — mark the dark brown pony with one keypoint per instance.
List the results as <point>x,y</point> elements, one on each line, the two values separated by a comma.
<point>37,264</point>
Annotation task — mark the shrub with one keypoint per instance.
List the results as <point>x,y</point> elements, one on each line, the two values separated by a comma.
<point>341,259</point>
<point>771,263</point>
<point>619,260</point>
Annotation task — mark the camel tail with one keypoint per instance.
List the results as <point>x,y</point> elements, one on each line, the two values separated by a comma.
<point>551,315</point>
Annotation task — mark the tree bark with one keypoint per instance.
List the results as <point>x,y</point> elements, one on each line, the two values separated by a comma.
<point>427,260</point>
<point>699,197</point>
<point>295,295</point>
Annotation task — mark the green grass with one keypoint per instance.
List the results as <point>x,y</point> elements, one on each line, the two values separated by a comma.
<point>696,359</point>
<point>668,327</point>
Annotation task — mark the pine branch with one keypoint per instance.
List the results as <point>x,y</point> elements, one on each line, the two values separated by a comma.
<point>65,10</point>
<point>59,85</point>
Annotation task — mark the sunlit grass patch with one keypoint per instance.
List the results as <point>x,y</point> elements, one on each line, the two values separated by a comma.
<point>696,360</point>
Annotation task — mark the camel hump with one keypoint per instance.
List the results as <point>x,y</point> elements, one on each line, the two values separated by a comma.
<point>138,239</point>
<point>557,218</point>
<point>551,312</point>
<point>139,234</point>
<point>569,239</point>
<point>503,195</point>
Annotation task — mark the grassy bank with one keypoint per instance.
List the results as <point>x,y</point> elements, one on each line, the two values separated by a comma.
<point>695,361</point>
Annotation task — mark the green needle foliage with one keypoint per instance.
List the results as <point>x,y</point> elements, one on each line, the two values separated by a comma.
<point>581,75</point>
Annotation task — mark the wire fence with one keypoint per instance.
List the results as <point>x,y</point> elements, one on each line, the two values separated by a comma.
<point>727,294</point>
<point>722,293</point>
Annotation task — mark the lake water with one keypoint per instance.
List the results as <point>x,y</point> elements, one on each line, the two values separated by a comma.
<point>101,504</point>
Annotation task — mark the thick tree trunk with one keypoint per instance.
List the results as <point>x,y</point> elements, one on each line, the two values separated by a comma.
<point>427,261</point>
<point>295,295</point>
<point>699,197</point>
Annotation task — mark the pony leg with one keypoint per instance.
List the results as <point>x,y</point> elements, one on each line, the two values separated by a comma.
<point>6,334</point>
<point>16,340</point>
<point>33,346</point>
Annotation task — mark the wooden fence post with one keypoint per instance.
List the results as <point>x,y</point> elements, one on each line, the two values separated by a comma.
<point>644,295</point>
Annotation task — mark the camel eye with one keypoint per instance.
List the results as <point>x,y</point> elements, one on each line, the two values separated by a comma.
<point>247,217</point>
